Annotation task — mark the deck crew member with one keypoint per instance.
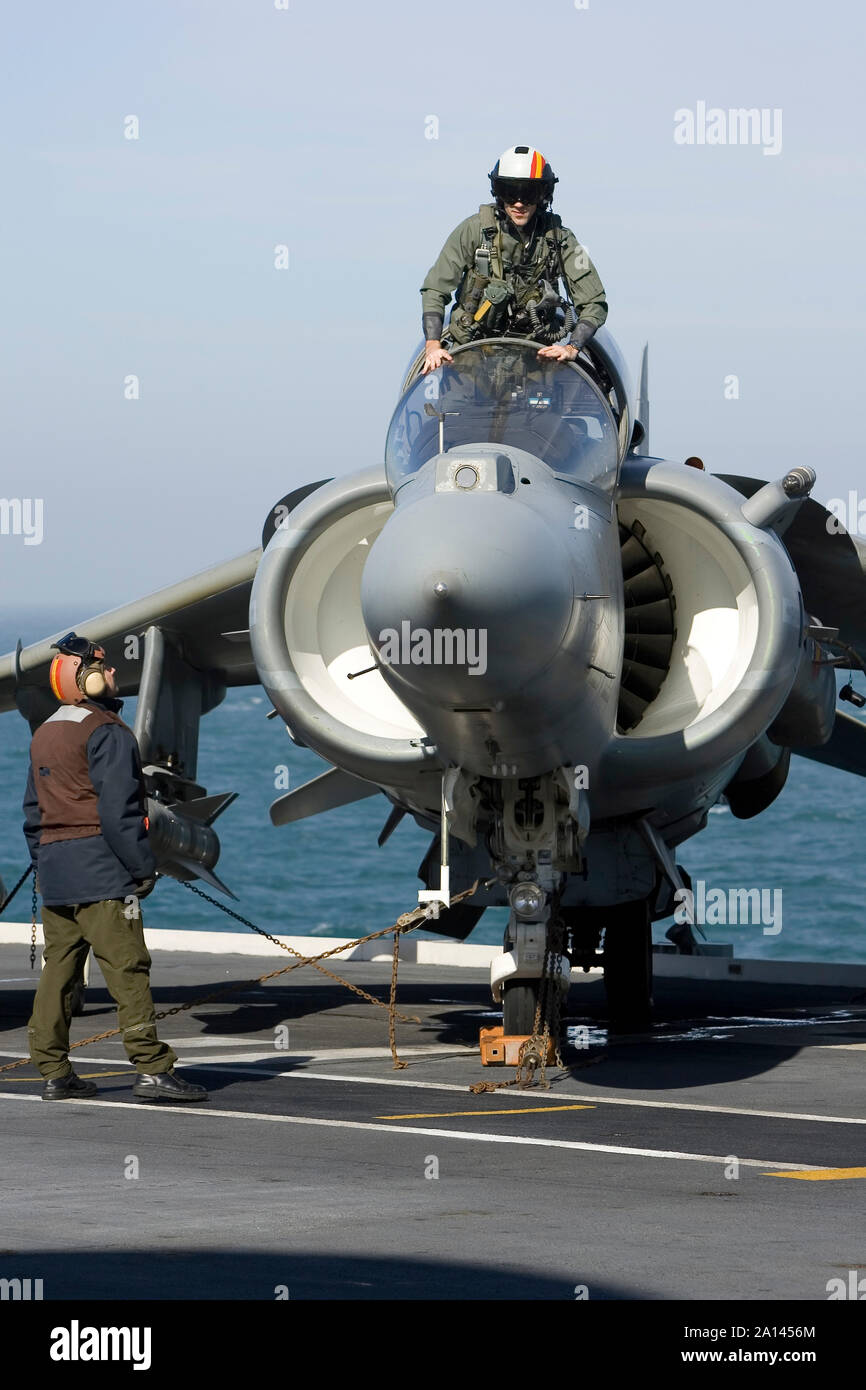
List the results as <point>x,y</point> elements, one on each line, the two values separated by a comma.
<point>506,263</point>
<point>86,829</point>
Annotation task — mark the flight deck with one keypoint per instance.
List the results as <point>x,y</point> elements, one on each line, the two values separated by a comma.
<point>720,1156</point>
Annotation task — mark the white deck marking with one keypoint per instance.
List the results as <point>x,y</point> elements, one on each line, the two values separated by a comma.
<point>206,1111</point>
<point>213,1042</point>
<point>335,1054</point>
<point>267,1050</point>
<point>594,1098</point>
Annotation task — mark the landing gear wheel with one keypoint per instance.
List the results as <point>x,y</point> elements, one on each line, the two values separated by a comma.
<point>628,968</point>
<point>519,1002</point>
<point>77,1000</point>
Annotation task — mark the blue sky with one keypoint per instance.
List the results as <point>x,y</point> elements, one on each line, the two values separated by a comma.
<point>261,126</point>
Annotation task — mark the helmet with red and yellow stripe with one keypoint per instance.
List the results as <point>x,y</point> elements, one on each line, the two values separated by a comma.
<point>522,174</point>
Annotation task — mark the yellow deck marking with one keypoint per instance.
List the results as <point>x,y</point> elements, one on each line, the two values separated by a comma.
<point>822,1174</point>
<point>448,1114</point>
<point>83,1076</point>
<point>188,1114</point>
<point>89,1075</point>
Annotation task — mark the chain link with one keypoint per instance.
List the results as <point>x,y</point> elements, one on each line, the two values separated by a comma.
<point>33,906</point>
<point>33,909</point>
<point>392,1013</point>
<point>403,924</point>
<point>362,993</point>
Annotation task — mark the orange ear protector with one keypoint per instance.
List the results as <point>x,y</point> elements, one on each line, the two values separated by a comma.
<point>78,673</point>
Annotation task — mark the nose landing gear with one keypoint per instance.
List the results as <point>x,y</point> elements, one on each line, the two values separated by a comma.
<point>531,979</point>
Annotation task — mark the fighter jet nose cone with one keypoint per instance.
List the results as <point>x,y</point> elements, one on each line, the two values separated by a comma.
<point>466,597</point>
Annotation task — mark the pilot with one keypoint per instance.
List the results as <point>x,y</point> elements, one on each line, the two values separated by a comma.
<point>86,829</point>
<point>506,263</point>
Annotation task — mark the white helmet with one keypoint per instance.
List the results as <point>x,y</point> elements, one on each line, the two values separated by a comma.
<point>522,173</point>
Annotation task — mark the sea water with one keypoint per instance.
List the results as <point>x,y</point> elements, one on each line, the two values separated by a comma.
<point>326,876</point>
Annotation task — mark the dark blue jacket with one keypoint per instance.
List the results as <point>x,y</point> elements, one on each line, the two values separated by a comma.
<point>110,865</point>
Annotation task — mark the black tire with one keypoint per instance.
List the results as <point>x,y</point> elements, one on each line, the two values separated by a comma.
<point>628,968</point>
<point>519,1002</point>
<point>77,1001</point>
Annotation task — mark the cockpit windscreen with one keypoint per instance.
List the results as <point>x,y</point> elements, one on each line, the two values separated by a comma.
<point>501,392</point>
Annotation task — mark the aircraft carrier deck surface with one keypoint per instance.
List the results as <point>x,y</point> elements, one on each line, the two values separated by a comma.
<point>317,1171</point>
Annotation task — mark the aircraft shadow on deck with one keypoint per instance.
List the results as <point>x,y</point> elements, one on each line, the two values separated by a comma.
<point>189,1274</point>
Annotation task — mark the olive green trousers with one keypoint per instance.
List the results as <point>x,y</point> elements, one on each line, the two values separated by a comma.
<point>119,946</point>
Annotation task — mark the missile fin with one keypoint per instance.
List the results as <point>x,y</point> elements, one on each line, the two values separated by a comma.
<point>189,867</point>
<point>204,808</point>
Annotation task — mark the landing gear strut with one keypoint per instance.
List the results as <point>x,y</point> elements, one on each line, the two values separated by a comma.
<point>532,976</point>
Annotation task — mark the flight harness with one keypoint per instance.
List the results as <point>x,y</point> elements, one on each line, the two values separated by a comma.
<point>521,298</point>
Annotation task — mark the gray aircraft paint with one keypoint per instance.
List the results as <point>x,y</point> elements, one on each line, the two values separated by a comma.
<point>554,657</point>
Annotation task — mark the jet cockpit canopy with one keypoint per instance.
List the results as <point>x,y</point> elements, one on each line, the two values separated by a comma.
<point>501,392</point>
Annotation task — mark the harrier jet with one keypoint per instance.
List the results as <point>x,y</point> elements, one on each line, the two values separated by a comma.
<point>554,651</point>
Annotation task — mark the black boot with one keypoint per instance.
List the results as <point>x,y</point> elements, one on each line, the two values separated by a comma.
<point>166,1085</point>
<point>68,1087</point>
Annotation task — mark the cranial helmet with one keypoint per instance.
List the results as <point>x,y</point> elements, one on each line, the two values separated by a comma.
<point>522,172</point>
<point>78,673</point>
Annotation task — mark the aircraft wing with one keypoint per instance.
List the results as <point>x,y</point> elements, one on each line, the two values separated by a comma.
<point>184,644</point>
<point>830,564</point>
<point>846,748</point>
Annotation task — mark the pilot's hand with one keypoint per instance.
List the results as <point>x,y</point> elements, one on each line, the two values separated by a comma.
<point>144,886</point>
<point>560,352</point>
<point>434,356</point>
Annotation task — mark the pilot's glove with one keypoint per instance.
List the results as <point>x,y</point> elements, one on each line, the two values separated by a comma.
<point>144,886</point>
<point>582,334</point>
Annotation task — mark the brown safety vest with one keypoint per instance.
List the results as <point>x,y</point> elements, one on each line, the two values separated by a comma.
<point>58,755</point>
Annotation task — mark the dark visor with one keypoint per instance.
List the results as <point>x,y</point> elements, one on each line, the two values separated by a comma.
<point>518,191</point>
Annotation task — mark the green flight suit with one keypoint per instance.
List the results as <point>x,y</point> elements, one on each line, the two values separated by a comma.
<point>458,256</point>
<point>119,946</point>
